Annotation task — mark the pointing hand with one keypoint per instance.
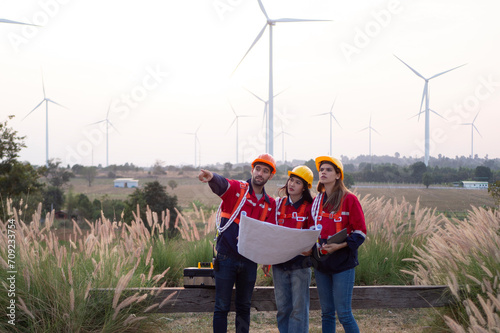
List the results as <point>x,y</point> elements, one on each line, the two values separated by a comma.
<point>205,176</point>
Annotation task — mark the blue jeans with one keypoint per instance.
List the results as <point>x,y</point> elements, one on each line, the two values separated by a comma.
<point>243,274</point>
<point>335,294</point>
<point>291,290</point>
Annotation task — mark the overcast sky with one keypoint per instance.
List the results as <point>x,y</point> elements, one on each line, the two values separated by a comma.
<point>163,69</point>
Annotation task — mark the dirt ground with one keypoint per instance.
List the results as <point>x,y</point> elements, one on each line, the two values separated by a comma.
<point>369,321</point>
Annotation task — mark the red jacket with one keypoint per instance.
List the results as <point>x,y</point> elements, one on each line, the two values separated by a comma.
<point>229,191</point>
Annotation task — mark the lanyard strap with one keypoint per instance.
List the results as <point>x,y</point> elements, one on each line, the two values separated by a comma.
<point>232,217</point>
<point>244,188</point>
<point>297,216</point>
<point>318,212</point>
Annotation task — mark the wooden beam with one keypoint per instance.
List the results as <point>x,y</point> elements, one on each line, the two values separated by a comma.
<point>364,297</point>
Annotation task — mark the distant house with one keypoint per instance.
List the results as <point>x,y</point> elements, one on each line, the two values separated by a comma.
<point>61,215</point>
<point>475,184</point>
<point>126,182</point>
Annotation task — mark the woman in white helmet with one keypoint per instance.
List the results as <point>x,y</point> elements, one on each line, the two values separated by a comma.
<point>335,208</point>
<point>292,278</point>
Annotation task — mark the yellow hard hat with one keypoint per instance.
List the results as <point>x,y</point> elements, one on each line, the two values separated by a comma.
<point>332,160</point>
<point>303,172</point>
<point>266,159</point>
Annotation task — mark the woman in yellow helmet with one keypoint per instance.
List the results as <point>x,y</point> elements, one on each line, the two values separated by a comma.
<point>292,278</point>
<point>335,208</point>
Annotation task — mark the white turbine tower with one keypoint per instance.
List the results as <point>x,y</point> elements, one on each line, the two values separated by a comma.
<point>425,95</point>
<point>236,120</point>
<point>265,116</point>
<point>370,129</point>
<point>472,128</point>
<point>108,123</point>
<point>283,133</point>
<point>271,23</point>
<point>196,148</point>
<point>46,100</point>
<point>331,125</point>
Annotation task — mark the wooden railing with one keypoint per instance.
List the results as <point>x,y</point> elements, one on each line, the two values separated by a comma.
<point>364,297</point>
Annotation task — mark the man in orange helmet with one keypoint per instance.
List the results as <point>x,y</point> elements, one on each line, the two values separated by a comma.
<point>232,269</point>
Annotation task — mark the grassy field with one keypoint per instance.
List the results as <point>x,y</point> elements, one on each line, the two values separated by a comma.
<point>189,189</point>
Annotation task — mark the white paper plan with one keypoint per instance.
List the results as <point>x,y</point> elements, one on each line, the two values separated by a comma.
<point>270,244</point>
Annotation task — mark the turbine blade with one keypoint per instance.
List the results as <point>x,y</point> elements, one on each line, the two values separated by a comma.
<point>321,114</point>
<point>333,104</point>
<point>298,20</point>
<point>234,120</point>
<point>43,86</point>
<point>449,70</point>
<point>48,99</point>
<point>336,120</point>
<point>373,129</point>
<point>281,92</point>
<point>260,99</point>
<point>437,114</point>
<point>474,127</point>
<point>254,42</point>
<point>109,107</point>
<point>424,95</point>
<point>15,22</point>
<point>113,126</point>
<point>263,9</point>
<point>34,109</point>
<point>475,117</point>
<point>364,129</point>
<point>231,105</point>
<point>97,122</point>
<point>417,115</point>
<point>414,71</point>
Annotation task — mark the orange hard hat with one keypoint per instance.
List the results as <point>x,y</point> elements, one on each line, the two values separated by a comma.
<point>332,160</point>
<point>266,159</point>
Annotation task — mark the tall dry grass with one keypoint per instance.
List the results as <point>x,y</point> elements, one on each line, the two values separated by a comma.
<point>465,255</point>
<point>56,280</point>
<point>394,229</point>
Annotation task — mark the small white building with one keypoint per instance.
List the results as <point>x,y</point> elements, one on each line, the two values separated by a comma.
<point>126,182</point>
<point>475,185</point>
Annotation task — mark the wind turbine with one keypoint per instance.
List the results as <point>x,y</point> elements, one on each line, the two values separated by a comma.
<point>236,120</point>
<point>270,23</point>
<point>473,127</point>
<point>265,116</point>
<point>331,127</point>
<point>196,141</point>
<point>425,95</point>
<point>370,129</point>
<point>282,133</point>
<point>108,123</point>
<point>46,100</point>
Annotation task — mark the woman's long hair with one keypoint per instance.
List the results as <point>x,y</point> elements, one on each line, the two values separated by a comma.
<point>333,201</point>
<point>306,194</point>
